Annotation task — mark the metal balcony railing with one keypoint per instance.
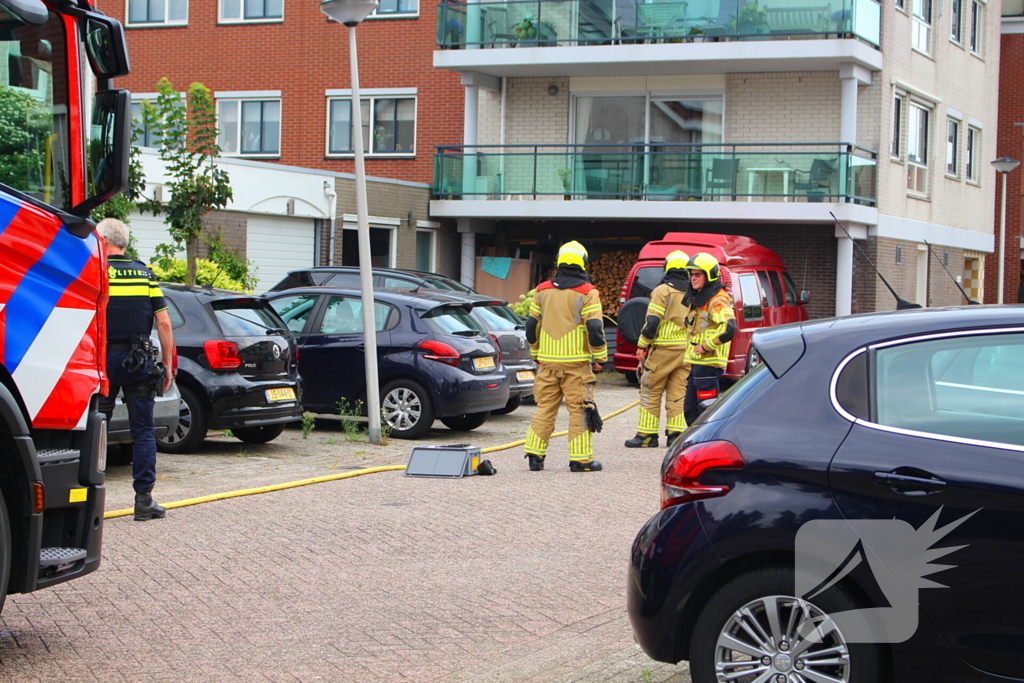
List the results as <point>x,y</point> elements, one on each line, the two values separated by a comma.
<point>554,23</point>
<point>786,172</point>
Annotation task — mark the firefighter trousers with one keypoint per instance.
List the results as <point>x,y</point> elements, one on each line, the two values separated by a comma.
<point>554,382</point>
<point>703,385</point>
<point>666,373</point>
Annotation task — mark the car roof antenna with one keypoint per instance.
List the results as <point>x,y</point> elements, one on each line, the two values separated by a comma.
<point>970,301</point>
<point>901,303</point>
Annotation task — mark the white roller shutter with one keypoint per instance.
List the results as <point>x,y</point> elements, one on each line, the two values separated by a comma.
<point>148,231</point>
<point>278,244</point>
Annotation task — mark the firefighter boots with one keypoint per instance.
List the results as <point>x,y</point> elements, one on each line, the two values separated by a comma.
<point>146,508</point>
<point>536,462</point>
<point>643,441</point>
<point>577,466</point>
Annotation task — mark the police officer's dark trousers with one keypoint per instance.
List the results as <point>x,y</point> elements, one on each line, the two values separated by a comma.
<point>140,416</point>
<point>702,384</point>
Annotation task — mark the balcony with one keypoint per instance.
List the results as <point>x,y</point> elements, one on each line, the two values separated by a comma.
<point>563,23</point>
<point>784,182</point>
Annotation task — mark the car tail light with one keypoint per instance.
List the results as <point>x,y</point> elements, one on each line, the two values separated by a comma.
<point>222,354</point>
<point>680,482</point>
<point>497,346</point>
<point>439,351</point>
<point>174,361</point>
<point>296,355</point>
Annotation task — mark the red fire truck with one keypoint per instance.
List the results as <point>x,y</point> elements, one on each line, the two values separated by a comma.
<point>64,143</point>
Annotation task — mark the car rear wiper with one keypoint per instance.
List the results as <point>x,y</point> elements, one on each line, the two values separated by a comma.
<point>467,333</point>
<point>276,330</point>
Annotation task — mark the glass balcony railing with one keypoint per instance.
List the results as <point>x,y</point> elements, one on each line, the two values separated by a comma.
<point>804,172</point>
<point>607,22</point>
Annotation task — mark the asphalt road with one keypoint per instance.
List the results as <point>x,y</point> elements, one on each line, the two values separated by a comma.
<point>519,577</point>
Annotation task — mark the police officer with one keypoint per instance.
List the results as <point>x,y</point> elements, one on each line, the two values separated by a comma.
<point>566,336</point>
<point>712,325</point>
<point>135,301</point>
<point>662,350</point>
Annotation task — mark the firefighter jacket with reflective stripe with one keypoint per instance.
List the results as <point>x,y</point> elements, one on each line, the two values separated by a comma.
<point>134,298</point>
<point>707,324</point>
<point>667,305</point>
<point>562,316</point>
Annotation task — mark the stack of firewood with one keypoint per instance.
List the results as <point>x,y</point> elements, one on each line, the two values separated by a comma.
<point>609,271</point>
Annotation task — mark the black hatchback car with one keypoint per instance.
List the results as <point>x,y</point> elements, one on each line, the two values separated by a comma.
<point>852,510</point>
<point>434,359</point>
<point>237,367</point>
<point>383,278</point>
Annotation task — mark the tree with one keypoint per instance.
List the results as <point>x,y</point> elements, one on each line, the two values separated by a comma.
<point>25,125</point>
<point>188,146</point>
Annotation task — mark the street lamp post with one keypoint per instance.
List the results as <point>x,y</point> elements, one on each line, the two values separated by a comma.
<point>350,13</point>
<point>1005,165</point>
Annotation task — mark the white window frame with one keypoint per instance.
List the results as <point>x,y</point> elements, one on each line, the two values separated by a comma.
<point>921,25</point>
<point>976,39</point>
<point>898,121</point>
<point>956,21</point>
<point>972,170</point>
<point>901,5</point>
<point>399,14</point>
<point>221,19</point>
<point>350,222</point>
<point>918,170</point>
<point>953,126</point>
<point>149,24</point>
<point>371,95</point>
<point>239,98</point>
<point>433,232</point>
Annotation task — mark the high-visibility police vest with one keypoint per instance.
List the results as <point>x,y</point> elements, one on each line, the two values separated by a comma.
<point>667,305</point>
<point>708,323</point>
<point>562,316</point>
<point>134,299</point>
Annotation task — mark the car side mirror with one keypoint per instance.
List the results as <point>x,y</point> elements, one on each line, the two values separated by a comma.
<point>805,296</point>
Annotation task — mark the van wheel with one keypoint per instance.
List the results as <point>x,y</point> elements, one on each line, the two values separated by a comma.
<point>190,432</point>
<point>512,404</point>
<point>406,408</point>
<point>750,629</point>
<point>465,423</point>
<point>264,434</point>
<point>632,378</point>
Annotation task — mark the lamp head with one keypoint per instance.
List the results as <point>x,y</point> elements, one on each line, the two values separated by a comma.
<point>1005,164</point>
<point>348,12</point>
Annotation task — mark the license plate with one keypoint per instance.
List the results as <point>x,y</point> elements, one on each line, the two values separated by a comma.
<point>483,362</point>
<point>525,375</point>
<point>286,394</point>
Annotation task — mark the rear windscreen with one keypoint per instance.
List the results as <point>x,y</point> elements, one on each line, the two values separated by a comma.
<point>451,320</point>
<point>645,281</point>
<point>497,317</point>
<point>246,318</point>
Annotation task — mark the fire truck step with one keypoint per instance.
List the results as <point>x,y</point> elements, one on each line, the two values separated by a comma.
<point>52,557</point>
<point>52,455</point>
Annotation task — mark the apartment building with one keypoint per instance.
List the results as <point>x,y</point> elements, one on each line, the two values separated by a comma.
<point>613,122</point>
<point>1011,144</point>
<point>280,74</point>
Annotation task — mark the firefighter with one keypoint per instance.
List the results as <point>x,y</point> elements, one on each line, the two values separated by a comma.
<point>711,325</point>
<point>135,303</point>
<point>566,336</point>
<point>662,350</point>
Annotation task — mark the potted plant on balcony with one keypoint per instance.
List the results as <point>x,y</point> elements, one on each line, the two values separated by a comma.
<point>751,21</point>
<point>526,29</point>
<point>453,33</point>
<point>566,175</point>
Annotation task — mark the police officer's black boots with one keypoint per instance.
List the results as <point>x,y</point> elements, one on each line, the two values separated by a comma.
<point>536,462</point>
<point>643,441</point>
<point>146,508</point>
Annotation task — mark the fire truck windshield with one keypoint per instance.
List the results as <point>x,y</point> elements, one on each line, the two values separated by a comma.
<point>34,109</point>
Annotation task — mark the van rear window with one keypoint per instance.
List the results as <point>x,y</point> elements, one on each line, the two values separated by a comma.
<point>645,281</point>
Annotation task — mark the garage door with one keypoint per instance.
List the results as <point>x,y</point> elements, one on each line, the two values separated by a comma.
<point>148,231</point>
<point>278,244</point>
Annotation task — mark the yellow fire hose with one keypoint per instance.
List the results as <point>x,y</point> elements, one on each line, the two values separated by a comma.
<point>330,477</point>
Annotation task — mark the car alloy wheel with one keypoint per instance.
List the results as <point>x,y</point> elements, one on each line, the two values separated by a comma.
<point>190,431</point>
<point>402,409</point>
<point>762,641</point>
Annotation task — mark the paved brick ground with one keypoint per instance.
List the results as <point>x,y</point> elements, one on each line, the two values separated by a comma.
<point>517,578</point>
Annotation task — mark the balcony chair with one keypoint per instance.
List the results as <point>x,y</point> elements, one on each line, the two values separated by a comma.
<point>722,176</point>
<point>818,180</point>
<point>655,20</point>
<point>498,28</point>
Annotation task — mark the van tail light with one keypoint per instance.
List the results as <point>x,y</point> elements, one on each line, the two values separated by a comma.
<point>222,354</point>
<point>497,346</point>
<point>439,351</point>
<point>680,481</point>
<point>625,291</point>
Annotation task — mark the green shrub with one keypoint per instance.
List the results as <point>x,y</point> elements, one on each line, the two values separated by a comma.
<point>207,273</point>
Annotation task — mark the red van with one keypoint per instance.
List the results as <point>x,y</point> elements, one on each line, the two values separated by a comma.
<point>763,291</point>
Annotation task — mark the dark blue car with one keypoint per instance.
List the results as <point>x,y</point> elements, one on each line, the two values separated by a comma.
<point>434,360</point>
<point>867,478</point>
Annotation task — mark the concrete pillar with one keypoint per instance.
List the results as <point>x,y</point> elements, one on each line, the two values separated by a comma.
<point>469,139</point>
<point>851,76</point>
<point>468,259</point>
<point>844,276</point>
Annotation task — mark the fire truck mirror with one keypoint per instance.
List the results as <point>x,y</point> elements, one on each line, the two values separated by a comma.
<point>29,11</point>
<point>105,45</point>
<point>107,149</point>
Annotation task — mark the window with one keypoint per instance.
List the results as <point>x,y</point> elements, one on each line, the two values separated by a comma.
<point>791,289</point>
<point>295,310</point>
<point>963,387</point>
<point>955,20</point>
<point>751,295</point>
<point>250,127</point>
<point>243,318</point>
<point>426,250</point>
<point>399,283</point>
<point>917,150</point>
<point>392,120</point>
<point>251,10</point>
<point>900,4</point>
<point>157,12</point>
<point>381,241</point>
<point>952,142</point>
<point>973,146</point>
<point>344,315</point>
<point>770,300</point>
<point>449,320</point>
<point>389,7</point>
<point>777,292</point>
<point>977,26</point>
<point>498,317</point>
<point>921,36</point>
<point>897,127</point>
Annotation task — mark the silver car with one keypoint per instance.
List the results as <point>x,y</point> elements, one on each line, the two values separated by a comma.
<point>166,410</point>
